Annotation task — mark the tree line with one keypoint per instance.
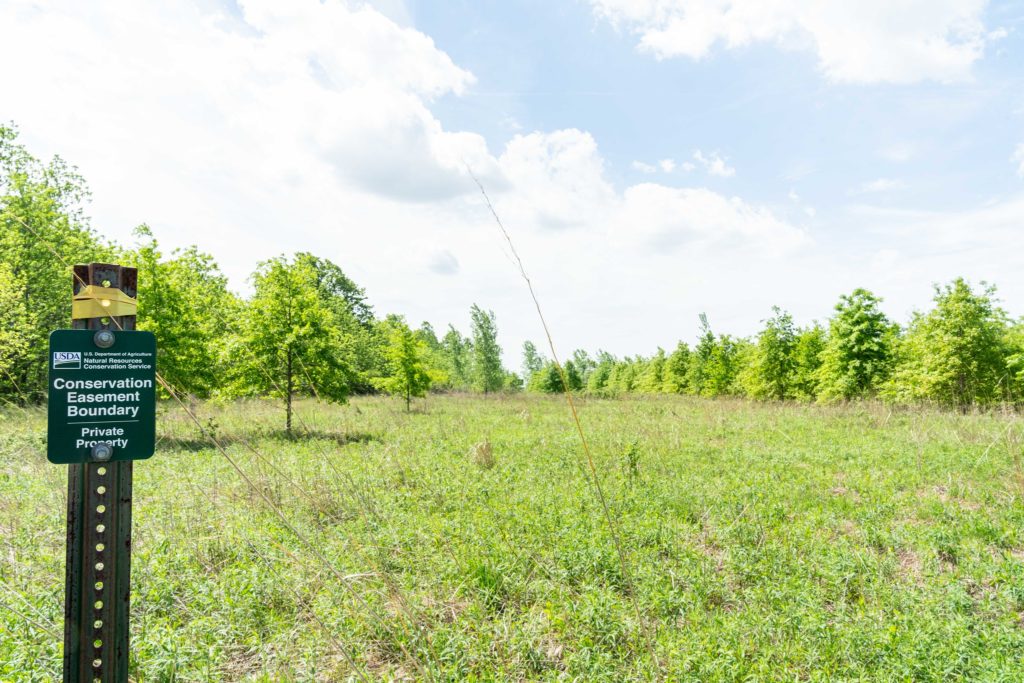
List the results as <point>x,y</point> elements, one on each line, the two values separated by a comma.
<point>964,351</point>
<point>307,329</point>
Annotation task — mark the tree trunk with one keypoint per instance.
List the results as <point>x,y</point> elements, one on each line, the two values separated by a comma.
<point>288,397</point>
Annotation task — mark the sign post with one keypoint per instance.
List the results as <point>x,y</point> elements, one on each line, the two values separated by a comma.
<point>101,417</point>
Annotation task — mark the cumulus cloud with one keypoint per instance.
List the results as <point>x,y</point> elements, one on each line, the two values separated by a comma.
<point>668,218</point>
<point>342,84</point>
<point>258,127</point>
<point>559,182</point>
<point>664,165</point>
<point>714,164</point>
<point>869,41</point>
<point>559,178</point>
<point>1018,158</point>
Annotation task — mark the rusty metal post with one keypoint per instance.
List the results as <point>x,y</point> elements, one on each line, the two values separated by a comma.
<point>98,569</point>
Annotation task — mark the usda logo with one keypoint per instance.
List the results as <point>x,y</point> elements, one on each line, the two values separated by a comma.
<point>67,360</point>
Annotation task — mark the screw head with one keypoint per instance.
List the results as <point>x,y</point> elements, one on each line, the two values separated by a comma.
<point>102,452</point>
<point>104,339</point>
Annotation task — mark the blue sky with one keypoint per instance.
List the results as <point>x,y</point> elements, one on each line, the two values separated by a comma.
<point>652,160</point>
<point>545,66</point>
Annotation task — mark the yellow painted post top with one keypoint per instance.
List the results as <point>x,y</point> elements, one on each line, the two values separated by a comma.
<point>99,302</point>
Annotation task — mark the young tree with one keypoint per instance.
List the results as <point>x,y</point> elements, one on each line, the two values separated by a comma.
<point>652,378</point>
<point>488,375</point>
<point>858,355</point>
<point>771,370</point>
<point>290,341</point>
<point>810,344</point>
<point>573,379</point>
<point>723,365</point>
<point>584,365</point>
<point>14,335</point>
<point>701,357</point>
<point>600,375</point>
<point>426,334</point>
<point>409,374</point>
<point>457,352</point>
<point>955,354</point>
<point>1015,362</point>
<point>346,302</point>
<point>41,213</point>
<point>338,289</point>
<point>676,368</point>
<point>185,302</point>
<point>533,361</point>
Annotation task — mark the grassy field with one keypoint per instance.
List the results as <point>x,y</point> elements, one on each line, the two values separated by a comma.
<point>765,543</point>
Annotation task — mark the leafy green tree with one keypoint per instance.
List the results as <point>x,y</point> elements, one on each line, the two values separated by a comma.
<point>533,361</point>
<point>185,302</point>
<point>676,367</point>
<point>771,369</point>
<point>701,357</point>
<point>488,374</point>
<point>723,365</point>
<point>600,375</point>
<point>584,365</point>
<point>40,218</point>
<point>338,289</point>
<point>858,356</point>
<point>512,382</point>
<point>346,302</point>
<point>409,375</point>
<point>426,334</point>
<point>623,378</point>
<point>1015,362</point>
<point>458,361</point>
<point>955,354</point>
<point>652,378</point>
<point>573,379</point>
<point>549,378</point>
<point>14,334</point>
<point>290,342</point>
<point>807,358</point>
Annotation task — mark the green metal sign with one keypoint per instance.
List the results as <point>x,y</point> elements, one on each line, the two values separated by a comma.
<point>102,398</point>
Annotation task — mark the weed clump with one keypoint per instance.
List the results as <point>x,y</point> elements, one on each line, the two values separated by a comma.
<point>482,455</point>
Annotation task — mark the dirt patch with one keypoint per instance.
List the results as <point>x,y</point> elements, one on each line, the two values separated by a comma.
<point>910,565</point>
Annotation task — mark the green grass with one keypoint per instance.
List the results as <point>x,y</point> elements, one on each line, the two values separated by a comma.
<point>766,543</point>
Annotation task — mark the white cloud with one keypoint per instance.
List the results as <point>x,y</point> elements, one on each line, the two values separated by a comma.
<point>309,126</point>
<point>714,164</point>
<point>666,218</point>
<point>286,81</point>
<point>1018,158</point>
<point>664,165</point>
<point>559,182</point>
<point>878,185</point>
<point>558,178</point>
<point>868,41</point>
